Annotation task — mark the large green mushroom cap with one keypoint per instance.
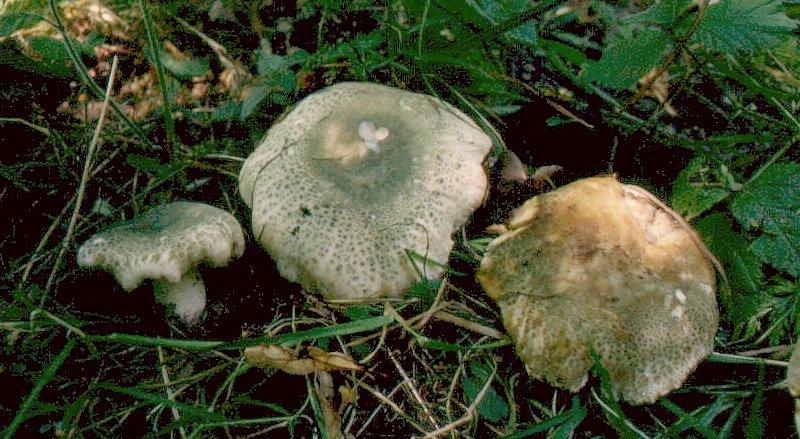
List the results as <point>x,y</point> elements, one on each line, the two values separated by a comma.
<point>165,244</point>
<point>357,175</point>
<point>604,266</point>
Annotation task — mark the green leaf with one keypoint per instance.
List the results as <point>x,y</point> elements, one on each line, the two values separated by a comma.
<point>698,188</point>
<point>493,408</point>
<point>55,59</point>
<point>270,63</point>
<point>738,25</point>
<point>629,55</point>
<point>771,204</point>
<point>14,21</point>
<point>662,13</point>
<point>144,163</point>
<point>253,100</point>
<point>741,298</point>
<point>494,12</point>
<point>184,68</point>
<point>524,34</point>
<point>366,43</point>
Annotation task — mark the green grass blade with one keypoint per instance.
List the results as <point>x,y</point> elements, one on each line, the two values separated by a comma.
<point>154,46</point>
<point>46,377</point>
<point>348,328</point>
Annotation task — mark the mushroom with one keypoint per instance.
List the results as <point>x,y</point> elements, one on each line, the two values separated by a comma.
<point>357,180</point>
<point>601,266</point>
<point>793,372</point>
<point>166,244</point>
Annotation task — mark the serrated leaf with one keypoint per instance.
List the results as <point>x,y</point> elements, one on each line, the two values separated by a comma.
<point>737,25</point>
<point>697,188</point>
<point>742,267</point>
<point>629,55</point>
<point>771,204</point>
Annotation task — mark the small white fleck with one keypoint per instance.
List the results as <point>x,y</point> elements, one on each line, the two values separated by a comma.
<point>678,312</point>
<point>706,288</point>
<point>371,134</point>
<point>680,295</point>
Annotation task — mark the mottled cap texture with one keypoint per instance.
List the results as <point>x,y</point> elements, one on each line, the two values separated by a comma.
<point>793,372</point>
<point>356,180</point>
<point>164,243</point>
<point>598,265</point>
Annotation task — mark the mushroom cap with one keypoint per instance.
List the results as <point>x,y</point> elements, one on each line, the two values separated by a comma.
<point>164,243</point>
<point>793,372</point>
<point>604,266</point>
<point>355,175</point>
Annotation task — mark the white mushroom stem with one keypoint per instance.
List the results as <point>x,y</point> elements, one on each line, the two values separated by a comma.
<point>188,295</point>
<point>372,135</point>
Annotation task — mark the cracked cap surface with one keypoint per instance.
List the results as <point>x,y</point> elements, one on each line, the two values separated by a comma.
<point>355,175</point>
<point>164,243</point>
<point>600,265</point>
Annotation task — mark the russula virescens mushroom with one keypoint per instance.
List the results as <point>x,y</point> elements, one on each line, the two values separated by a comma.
<point>165,244</point>
<point>598,265</point>
<point>357,177</point>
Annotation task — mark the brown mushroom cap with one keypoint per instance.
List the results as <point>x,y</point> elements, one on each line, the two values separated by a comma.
<point>356,175</point>
<point>793,372</point>
<point>604,266</point>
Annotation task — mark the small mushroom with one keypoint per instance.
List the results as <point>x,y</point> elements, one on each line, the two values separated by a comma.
<point>357,178</point>
<point>166,244</point>
<point>598,265</point>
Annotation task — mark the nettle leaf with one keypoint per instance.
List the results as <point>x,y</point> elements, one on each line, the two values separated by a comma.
<point>699,187</point>
<point>771,204</point>
<point>629,55</point>
<point>737,25</point>
<point>742,297</point>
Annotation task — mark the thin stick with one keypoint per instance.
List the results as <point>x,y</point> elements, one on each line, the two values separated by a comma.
<point>35,255</point>
<point>470,413</point>
<point>468,324</point>
<point>412,387</point>
<point>375,412</point>
<point>87,166</point>
<point>176,414</point>
<point>393,406</point>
